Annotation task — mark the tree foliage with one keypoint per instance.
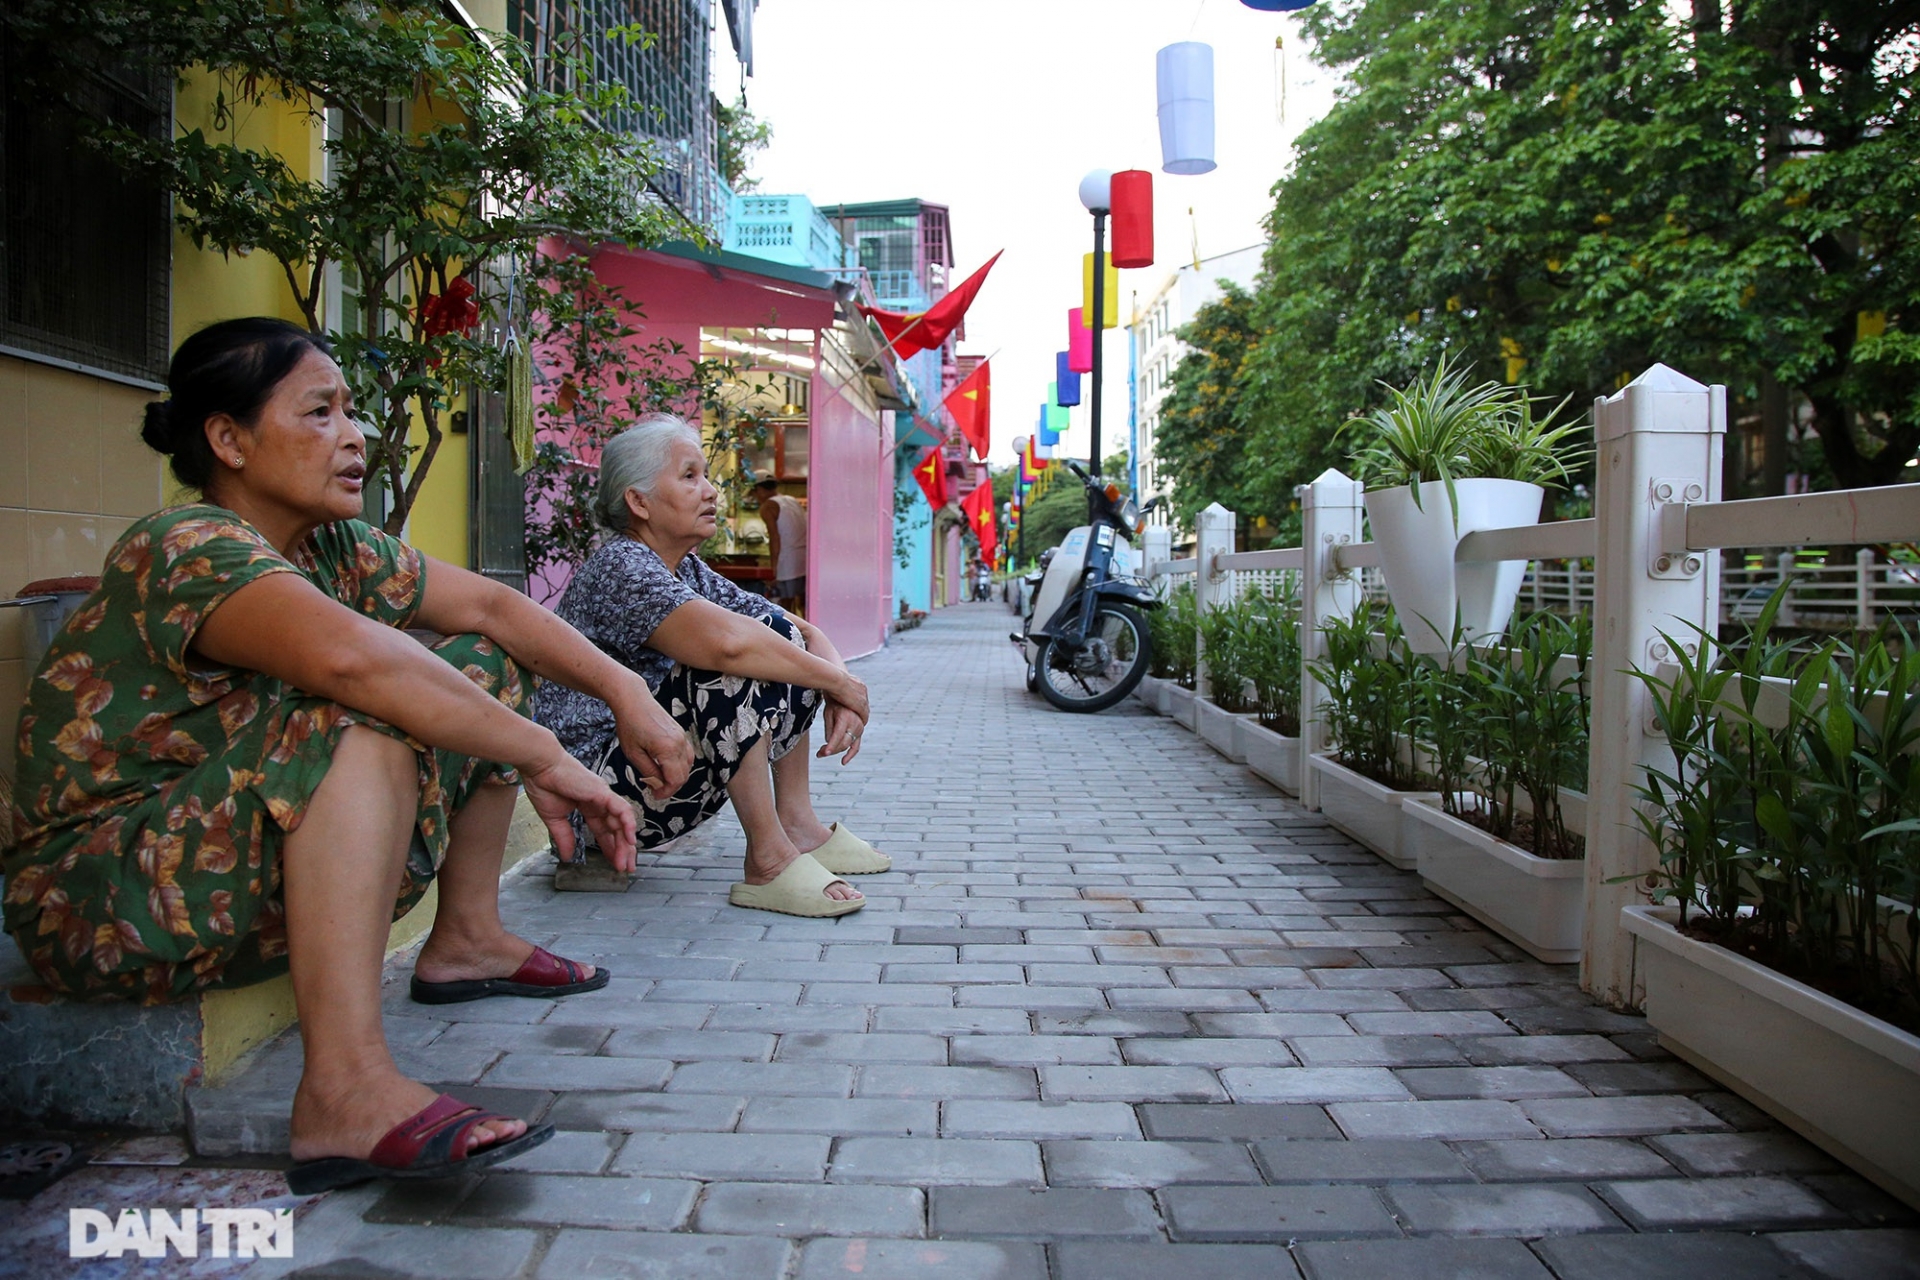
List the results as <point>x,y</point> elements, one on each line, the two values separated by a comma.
<point>743,136</point>
<point>447,156</point>
<point>1566,191</point>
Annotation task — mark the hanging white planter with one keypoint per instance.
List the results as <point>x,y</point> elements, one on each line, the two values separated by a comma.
<point>1416,557</point>
<point>1184,76</point>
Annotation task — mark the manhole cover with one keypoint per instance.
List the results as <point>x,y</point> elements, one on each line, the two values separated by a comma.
<point>26,1168</point>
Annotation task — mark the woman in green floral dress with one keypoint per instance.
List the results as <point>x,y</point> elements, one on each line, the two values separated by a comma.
<point>233,761</point>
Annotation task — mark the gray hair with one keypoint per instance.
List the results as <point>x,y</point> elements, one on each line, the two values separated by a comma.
<point>634,459</point>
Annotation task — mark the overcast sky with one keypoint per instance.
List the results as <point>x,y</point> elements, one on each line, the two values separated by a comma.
<point>996,108</point>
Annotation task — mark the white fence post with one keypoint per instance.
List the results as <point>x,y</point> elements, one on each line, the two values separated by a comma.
<point>1659,442</point>
<point>1863,589</point>
<point>1211,587</point>
<point>1784,565</point>
<point>1330,514</point>
<point>1156,548</point>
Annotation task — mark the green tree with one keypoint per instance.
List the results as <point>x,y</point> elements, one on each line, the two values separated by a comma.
<point>491,163</point>
<point>742,137</point>
<point>1565,192</point>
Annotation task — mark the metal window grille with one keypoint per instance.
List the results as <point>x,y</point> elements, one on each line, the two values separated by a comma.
<point>667,84</point>
<point>86,261</point>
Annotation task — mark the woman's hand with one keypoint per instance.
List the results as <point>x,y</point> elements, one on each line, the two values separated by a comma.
<point>850,692</point>
<point>842,729</point>
<point>562,784</point>
<point>653,741</point>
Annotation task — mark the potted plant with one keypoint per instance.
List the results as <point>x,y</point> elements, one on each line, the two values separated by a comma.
<point>1177,635</point>
<point>1370,770</point>
<point>1227,633</point>
<point>1503,732</point>
<point>1445,459</point>
<point>1781,952</point>
<point>1270,739</point>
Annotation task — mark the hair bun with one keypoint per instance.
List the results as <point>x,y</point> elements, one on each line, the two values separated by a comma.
<point>157,430</point>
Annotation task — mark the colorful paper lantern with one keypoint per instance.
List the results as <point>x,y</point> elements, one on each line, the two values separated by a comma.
<point>1079,343</point>
<point>1066,382</point>
<point>1132,218</point>
<point>1110,317</point>
<point>1185,79</point>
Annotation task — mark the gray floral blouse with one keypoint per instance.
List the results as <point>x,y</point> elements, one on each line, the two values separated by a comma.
<point>617,599</point>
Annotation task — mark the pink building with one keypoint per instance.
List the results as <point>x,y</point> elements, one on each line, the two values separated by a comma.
<point>786,326</point>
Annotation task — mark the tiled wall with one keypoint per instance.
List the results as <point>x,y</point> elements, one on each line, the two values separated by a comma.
<point>73,475</point>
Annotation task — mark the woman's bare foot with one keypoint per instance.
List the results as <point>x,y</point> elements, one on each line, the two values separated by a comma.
<point>448,956</point>
<point>766,868</point>
<point>351,1119</point>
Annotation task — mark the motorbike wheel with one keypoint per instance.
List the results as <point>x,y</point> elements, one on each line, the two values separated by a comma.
<point>1033,679</point>
<point>1102,669</point>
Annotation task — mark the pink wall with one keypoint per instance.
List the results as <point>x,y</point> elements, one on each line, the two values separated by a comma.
<point>850,526</point>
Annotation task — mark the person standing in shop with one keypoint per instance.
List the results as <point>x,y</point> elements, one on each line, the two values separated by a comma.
<point>786,521</point>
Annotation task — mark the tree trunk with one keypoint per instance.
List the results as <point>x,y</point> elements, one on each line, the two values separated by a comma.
<point>1773,435</point>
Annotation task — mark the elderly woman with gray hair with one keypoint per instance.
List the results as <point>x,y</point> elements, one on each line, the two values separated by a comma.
<point>744,678</point>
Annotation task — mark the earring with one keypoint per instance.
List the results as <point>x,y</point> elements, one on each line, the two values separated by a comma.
<point>238,462</point>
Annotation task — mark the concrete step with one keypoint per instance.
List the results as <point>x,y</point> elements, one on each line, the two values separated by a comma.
<point>138,1067</point>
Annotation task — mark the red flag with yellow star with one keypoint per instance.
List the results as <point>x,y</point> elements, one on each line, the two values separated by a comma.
<point>908,332</point>
<point>932,475</point>
<point>978,507</point>
<point>971,407</point>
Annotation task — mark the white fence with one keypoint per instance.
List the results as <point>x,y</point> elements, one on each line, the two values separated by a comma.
<point>1654,548</point>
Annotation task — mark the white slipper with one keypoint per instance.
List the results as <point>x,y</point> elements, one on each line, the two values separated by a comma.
<point>846,854</point>
<point>800,890</point>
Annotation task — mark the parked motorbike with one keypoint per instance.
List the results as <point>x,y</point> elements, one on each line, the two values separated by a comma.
<point>1085,641</point>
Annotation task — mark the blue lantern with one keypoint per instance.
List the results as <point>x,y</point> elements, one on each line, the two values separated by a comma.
<point>1066,381</point>
<point>1276,6</point>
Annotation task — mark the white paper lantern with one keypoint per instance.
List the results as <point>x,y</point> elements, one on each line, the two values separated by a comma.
<point>1185,77</point>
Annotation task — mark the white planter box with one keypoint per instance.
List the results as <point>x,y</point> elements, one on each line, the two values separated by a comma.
<point>1152,690</point>
<point>1844,1080</point>
<point>1271,755</point>
<point>1365,810</point>
<point>1220,728</point>
<point>1416,557</point>
<point>1179,705</point>
<point>1539,903</point>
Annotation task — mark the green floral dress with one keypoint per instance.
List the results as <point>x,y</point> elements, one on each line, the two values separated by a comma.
<point>153,794</point>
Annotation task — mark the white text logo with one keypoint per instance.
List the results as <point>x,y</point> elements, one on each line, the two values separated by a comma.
<point>152,1233</point>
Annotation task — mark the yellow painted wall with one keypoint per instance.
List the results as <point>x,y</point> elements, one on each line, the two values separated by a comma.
<point>73,471</point>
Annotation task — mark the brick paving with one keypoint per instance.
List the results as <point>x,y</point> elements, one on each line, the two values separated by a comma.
<point>1121,1010</point>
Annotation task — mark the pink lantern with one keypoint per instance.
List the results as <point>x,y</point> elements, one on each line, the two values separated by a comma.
<point>1079,343</point>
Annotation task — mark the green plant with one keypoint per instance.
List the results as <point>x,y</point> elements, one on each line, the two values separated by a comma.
<point>1788,826</point>
<point>1441,429</point>
<point>1174,628</point>
<point>1227,637</point>
<point>1273,654</point>
<point>1370,693</point>
<point>601,378</point>
<point>1506,720</point>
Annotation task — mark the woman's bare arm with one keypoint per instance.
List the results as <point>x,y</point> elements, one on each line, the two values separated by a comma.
<point>285,627</point>
<point>701,634</point>
<point>458,601</point>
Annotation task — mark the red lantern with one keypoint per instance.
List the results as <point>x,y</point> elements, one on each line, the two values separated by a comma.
<point>1133,218</point>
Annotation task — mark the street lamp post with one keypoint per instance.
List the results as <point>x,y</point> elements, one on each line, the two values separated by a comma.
<point>1096,193</point>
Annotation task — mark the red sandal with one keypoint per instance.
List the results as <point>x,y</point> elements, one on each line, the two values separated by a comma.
<point>429,1144</point>
<point>544,974</point>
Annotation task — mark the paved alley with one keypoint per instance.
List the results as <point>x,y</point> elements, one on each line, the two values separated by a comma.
<point>1121,1011</point>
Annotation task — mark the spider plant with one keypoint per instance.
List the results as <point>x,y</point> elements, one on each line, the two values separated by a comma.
<point>1441,428</point>
<point>1427,431</point>
<point>1518,446</point>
